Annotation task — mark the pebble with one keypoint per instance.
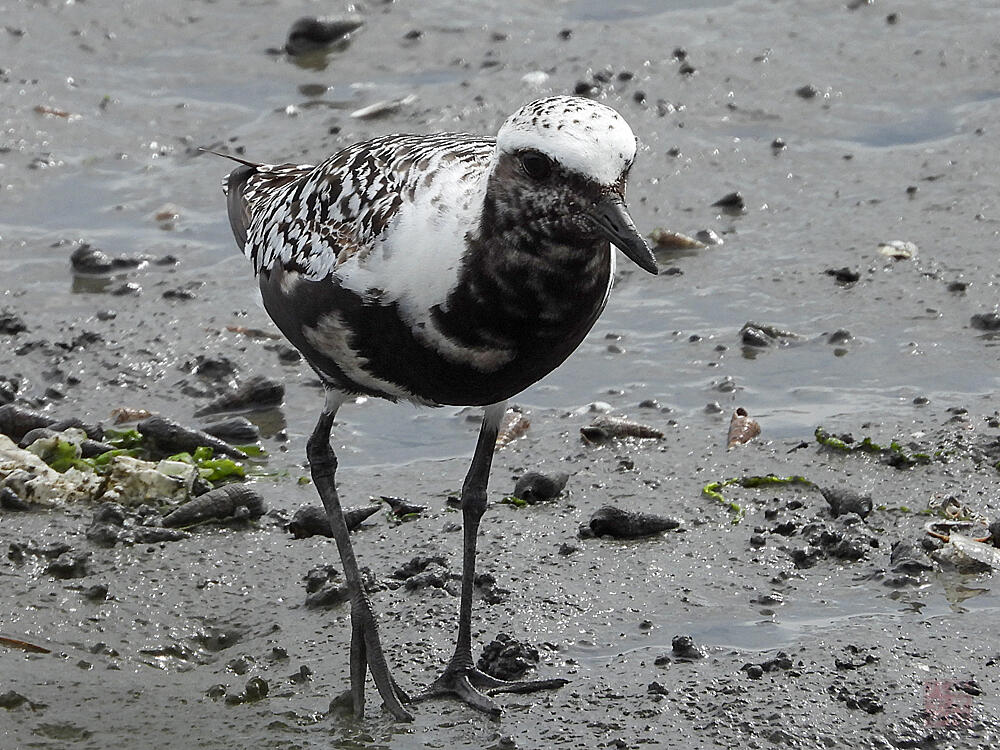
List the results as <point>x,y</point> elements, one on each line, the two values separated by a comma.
<point>96,593</point>
<point>985,321</point>
<point>69,565</point>
<point>10,500</point>
<point>685,649</point>
<point>11,699</point>
<point>843,275</point>
<point>309,33</point>
<point>506,658</point>
<point>11,324</point>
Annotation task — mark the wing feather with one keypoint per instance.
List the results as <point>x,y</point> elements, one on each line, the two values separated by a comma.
<point>311,219</point>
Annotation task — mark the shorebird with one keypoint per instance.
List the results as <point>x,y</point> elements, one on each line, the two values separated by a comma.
<point>446,269</point>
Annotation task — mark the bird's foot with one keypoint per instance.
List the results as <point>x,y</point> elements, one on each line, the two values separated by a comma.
<point>475,687</point>
<point>367,655</point>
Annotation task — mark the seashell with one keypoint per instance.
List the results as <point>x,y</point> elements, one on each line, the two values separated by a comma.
<point>256,393</point>
<point>401,507</point>
<point>603,429</point>
<point>742,429</point>
<point>221,502</point>
<point>312,520</point>
<point>535,486</point>
<point>513,425</point>
<point>623,524</point>
<point>168,437</point>
<point>664,239</point>
<point>238,430</point>
<point>968,555</point>
<point>123,414</point>
<point>764,334</point>
<point>383,107</point>
<point>17,421</point>
<point>842,501</point>
<point>897,249</point>
<point>709,237</point>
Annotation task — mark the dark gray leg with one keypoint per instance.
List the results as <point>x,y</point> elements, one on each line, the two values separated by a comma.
<point>366,649</point>
<point>461,676</point>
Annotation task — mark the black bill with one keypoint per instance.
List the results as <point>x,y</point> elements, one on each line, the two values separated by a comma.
<point>610,215</point>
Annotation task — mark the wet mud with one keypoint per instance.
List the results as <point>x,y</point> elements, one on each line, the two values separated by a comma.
<point>861,144</point>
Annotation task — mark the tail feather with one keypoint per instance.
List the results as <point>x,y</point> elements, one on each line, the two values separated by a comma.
<point>239,214</point>
<point>233,187</point>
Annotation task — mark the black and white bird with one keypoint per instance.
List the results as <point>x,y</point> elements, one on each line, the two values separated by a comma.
<point>440,269</point>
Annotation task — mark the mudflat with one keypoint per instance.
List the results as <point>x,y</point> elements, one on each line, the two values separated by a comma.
<point>854,291</point>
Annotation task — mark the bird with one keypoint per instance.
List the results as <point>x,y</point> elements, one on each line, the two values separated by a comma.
<point>441,269</point>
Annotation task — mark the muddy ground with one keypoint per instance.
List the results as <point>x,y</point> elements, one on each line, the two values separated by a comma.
<point>814,633</point>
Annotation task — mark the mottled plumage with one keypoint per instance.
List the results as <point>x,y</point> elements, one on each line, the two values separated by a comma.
<point>430,268</point>
<point>441,269</point>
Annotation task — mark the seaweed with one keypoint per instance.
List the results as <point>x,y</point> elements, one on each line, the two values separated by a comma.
<point>893,454</point>
<point>212,469</point>
<point>714,489</point>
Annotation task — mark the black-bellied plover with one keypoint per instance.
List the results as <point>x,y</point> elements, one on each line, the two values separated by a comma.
<point>440,269</point>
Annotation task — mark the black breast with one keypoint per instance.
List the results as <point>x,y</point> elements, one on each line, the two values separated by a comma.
<point>535,314</point>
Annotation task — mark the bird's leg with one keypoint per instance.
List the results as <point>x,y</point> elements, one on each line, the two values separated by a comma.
<point>461,677</point>
<point>366,649</point>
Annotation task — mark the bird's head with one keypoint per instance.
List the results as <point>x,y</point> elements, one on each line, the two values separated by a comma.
<point>560,169</point>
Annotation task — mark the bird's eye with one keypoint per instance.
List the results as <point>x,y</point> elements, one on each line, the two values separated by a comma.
<point>537,166</point>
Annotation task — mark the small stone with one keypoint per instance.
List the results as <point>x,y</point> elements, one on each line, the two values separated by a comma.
<point>753,671</point>
<point>11,324</point>
<point>216,691</point>
<point>69,565</point>
<point>310,34</point>
<point>11,699</point>
<point>507,659</point>
<point>683,647</point>
<point>303,675</point>
<point>656,688</point>
<point>96,593</point>
<point>10,500</point>
<point>843,275</point>
<point>731,201</point>
<point>807,92</point>
<point>986,321</point>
